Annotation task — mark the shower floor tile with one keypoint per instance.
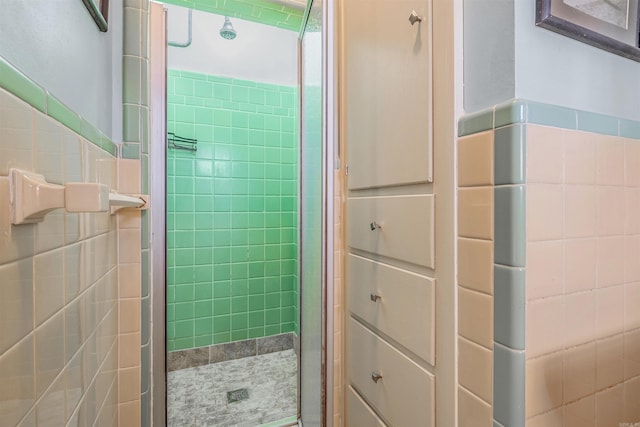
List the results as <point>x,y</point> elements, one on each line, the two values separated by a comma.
<point>198,396</point>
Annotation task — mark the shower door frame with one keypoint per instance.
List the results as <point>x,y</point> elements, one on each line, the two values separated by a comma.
<point>157,189</point>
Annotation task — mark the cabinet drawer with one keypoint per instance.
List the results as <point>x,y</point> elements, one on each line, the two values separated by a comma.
<point>359,414</point>
<point>399,227</point>
<point>405,310</point>
<point>404,395</point>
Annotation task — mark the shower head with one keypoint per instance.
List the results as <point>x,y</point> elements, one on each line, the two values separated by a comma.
<point>227,31</point>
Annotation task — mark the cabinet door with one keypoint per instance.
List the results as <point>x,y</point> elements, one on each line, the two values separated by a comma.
<point>387,71</point>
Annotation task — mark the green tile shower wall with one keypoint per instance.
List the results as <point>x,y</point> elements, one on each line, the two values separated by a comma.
<point>231,211</point>
<point>262,11</point>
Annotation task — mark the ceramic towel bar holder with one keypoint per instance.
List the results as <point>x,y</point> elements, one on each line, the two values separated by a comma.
<point>31,197</point>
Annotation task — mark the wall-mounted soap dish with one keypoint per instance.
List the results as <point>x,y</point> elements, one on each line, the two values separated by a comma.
<point>31,197</point>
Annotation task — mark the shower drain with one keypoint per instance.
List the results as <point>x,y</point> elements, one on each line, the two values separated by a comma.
<point>237,395</point>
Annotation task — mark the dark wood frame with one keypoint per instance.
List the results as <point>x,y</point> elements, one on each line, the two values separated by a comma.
<point>100,13</point>
<point>575,27</point>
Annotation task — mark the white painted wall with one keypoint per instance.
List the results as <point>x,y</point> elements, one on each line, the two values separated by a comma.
<point>58,45</point>
<point>259,52</point>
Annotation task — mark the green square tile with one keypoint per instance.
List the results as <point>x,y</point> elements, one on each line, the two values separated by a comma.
<point>239,287</point>
<point>257,96</point>
<point>240,136</point>
<point>221,272</point>
<point>256,302</point>
<point>221,324</point>
<point>239,304</point>
<point>184,293</point>
<point>203,340</point>
<point>221,306</point>
<point>239,335</point>
<point>203,89</point>
<point>287,299</point>
<point>184,87</point>
<point>256,269</point>
<point>256,319</point>
<point>184,328</point>
<point>203,291</point>
<point>256,286</point>
<point>203,326</point>
<point>239,321</point>
<point>184,343</point>
<point>221,91</point>
<point>287,314</point>
<point>287,327</point>
<point>272,330</point>
<point>272,98</point>
<point>256,332</point>
<point>272,300</point>
<point>239,93</point>
<point>221,337</point>
<point>239,271</point>
<point>203,273</point>
<point>272,316</point>
<point>221,289</point>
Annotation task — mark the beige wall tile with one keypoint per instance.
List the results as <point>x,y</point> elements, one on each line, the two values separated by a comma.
<point>49,351</point>
<point>544,154</point>
<point>51,406</point>
<point>129,246</point>
<point>550,419</point>
<point>475,160</point>
<point>475,314</point>
<point>544,384</point>
<point>19,240</point>
<point>130,280</point>
<point>129,384</point>
<point>580,157</point>
<point>475,264</point>
<point>579,372</point>
<point>16,302</point>
<point>544,214</point>
<point>472,411</point>
<point>610,261</point>
<point>631,354</point>
<point>581,413</point>
<point>579,265</point>
<point>579,318</point>
<point>609,160</point>
<point>48,148</point>
<point>631,209</point>
<point>631,311</point>
<point>129,348</point>
<point>610,211</point>
<point>609,362</point>
<point>16,120</point>
<point>129,414</point>
<point>632,259</point>
<point>50,232</point>
<point>475,364</point>
<point>48,284</point>
<point>475,212</point>
<point>129,218</point>
<point>632,399</point>
<point>609,311</point>
<point>610,407</point>
<point>544,272</point>
<point>579,211</point>
<point>129,176</point>
<point>17,385</point>
<point>631,163</point>
<point>129,315</point>
<point>545,326</point>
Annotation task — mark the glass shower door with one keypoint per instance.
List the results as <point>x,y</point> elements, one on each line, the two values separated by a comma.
<point>316,226</point>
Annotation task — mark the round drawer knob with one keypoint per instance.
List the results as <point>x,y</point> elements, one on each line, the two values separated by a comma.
<point>375,377</point>
<point>375,226</point>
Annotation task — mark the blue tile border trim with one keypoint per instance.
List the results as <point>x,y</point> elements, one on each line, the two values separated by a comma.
<point>509,307</point>
<point>508,386</point>
<point>523,111</point>
<point>509,149</point>
<point>509,225</point>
